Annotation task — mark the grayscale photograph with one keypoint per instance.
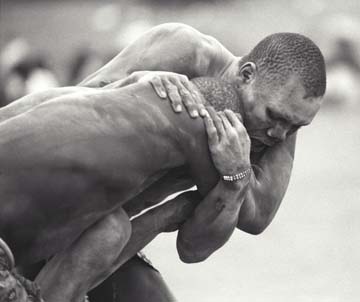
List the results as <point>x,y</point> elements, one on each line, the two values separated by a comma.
<point>179,150</point>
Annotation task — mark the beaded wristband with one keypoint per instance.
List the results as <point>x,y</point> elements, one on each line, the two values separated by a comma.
<point>238,176</point>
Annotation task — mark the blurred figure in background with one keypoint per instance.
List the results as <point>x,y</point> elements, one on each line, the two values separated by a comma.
<point>23,72</point>
<point>28,76</point>
<point>85,62</point>
<point>343,69</point>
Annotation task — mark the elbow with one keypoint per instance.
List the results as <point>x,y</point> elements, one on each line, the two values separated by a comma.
<point>190,257</point>
<point>255,227</point>
<point>189,254</point>
<point>255,230</point>
<point>258,214</point>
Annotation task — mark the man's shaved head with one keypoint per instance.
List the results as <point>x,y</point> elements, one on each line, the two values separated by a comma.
<point>281,56</point>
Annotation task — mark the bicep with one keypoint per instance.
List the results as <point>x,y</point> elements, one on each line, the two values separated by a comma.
<point>168,47</point>
<point>171,47</point>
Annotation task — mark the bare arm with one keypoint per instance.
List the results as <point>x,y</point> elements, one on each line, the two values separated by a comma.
<point>168,47</point>
<point>164,218</point>
<point>255,205</point>
<point>258,204</point>
<point>267,187</point>
<point>255,214</point>
<point>215,218</point>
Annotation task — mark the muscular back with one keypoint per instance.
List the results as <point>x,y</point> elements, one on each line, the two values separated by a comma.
<point>217,93</point>
<point>70,161</point>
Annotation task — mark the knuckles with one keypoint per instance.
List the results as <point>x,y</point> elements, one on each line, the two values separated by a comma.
<point>155,79</point>
<point>184,78</point>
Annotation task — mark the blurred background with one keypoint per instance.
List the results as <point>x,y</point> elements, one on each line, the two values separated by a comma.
<point>311,250</point>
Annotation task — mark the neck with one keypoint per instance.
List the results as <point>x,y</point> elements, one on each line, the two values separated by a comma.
<point>231,70</point>
<point>219,93</point>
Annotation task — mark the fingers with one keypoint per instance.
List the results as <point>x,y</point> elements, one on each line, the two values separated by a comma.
<point>195,104</point>
<point>226,123</point>
<point>234,119</point>
<point>238,115</point>
<point>179,93</point>
<point>217,122</point>
<point>189,98</point>
<point>159,87</point>
<point>174,87</point>
<point>202,110</point>
<point>211,131</point>
<point>189,103</point>
<point>233,128</point>
<point>173,94</point>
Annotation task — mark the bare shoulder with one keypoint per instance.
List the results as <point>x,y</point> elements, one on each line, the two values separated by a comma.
<point>211,56</point>
<point>187,34</point>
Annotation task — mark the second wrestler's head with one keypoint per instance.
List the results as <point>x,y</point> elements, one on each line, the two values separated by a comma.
<point>281,83</point>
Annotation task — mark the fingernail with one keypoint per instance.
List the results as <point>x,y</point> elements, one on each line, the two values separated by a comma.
<point>203,112</point>
<point>178,108</point>
<point>162,94</point>
<point>194,114</point>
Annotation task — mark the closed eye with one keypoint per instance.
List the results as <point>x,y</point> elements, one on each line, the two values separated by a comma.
<point>274,116</point>
<point>270,114</point>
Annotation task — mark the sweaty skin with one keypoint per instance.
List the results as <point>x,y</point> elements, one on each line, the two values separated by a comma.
<point>87,154</point>
<point>188,49</point>
<point>191,53</point>
<point>182,49</point>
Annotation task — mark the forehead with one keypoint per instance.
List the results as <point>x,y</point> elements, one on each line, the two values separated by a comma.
<point>293,105</point>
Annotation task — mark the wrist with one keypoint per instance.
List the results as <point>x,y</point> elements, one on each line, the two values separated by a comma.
<point>237,185</point>
<point>238,176</point>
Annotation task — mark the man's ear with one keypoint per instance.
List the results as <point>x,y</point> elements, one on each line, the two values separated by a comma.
<point>247,72</point>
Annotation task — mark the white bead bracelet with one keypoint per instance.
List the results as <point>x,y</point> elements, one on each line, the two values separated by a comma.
<point>238,176</point>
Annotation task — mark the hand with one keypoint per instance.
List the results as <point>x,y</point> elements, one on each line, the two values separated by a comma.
<point>176,87</point>
<point>229,142</point>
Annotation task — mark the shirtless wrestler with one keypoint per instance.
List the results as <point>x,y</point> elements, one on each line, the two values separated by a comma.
<point>180,48</point>
<point>89,153</point>
<point>310,113</point>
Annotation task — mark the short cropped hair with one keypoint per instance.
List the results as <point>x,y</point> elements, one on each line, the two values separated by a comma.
<point>282,55</point>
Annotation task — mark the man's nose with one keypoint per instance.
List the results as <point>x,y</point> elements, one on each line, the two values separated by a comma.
<point>278,132</point>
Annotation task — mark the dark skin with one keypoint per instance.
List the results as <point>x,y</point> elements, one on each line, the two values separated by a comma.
<point>265,192</point>
<point>192,54</point>
<point>256,216</point>
<point>113,105</point>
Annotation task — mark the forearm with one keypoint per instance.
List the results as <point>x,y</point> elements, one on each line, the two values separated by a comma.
<point>164,218</point>
<point>212,222</point>
<point>268,185</point>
